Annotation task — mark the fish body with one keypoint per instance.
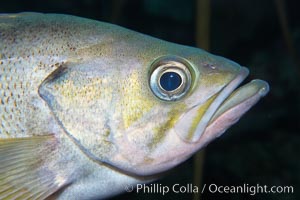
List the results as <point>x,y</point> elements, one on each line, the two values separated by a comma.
<point>89,107</point>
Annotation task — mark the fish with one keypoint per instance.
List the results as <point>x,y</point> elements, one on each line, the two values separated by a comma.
<point>88,108</point>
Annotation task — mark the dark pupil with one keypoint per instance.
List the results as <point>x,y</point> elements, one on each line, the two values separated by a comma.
<point>170,81</point>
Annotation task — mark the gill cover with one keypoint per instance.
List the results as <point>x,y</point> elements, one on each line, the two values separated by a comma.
<point>74,92</point>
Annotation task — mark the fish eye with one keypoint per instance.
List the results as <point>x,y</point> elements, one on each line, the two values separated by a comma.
<point>170,78</point>
<point>170,81</point>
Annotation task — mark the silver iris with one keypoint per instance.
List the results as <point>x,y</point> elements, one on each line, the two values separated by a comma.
<point>174,65</point>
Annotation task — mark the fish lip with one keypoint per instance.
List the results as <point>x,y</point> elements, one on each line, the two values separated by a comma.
<point>244,96</point>
<point>217,102</point>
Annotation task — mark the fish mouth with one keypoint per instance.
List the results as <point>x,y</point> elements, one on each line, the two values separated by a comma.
<point>226,107</point>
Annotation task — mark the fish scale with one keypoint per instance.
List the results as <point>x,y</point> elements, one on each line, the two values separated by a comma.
<point>11,102</point>
<point>20,98</point>
<point>25,70</point>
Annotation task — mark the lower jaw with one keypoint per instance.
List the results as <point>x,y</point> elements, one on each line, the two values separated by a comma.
<point>230,113</point>
<point>242,98</point>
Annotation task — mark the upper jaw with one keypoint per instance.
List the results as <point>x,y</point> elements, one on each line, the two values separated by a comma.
<point>249,93</point>
<point>225,100</point>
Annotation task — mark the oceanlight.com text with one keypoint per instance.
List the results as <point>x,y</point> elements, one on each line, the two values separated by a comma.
<point>157,188</point>
<point>249,189</point>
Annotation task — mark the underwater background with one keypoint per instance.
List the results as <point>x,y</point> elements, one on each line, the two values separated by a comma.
<point>264,146</point>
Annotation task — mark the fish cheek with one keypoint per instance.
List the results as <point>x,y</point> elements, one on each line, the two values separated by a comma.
<point>80,108</point>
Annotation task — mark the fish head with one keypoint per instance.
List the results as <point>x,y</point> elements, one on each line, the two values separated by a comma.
<point>147,107</point>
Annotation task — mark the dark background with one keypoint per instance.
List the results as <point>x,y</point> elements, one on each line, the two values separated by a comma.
<point>264,147</point>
